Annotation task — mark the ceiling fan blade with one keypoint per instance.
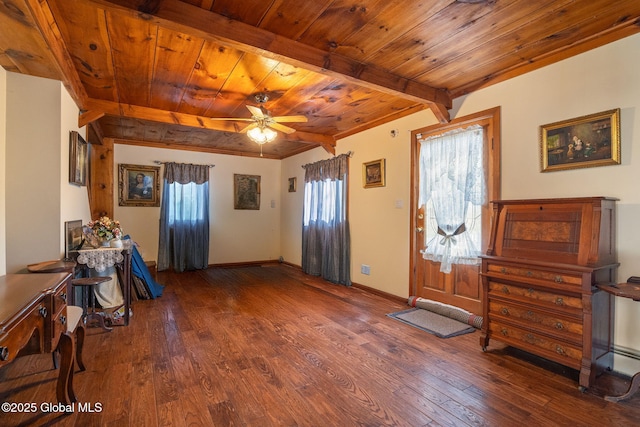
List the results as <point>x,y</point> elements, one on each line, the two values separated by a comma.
<point>281,128</point>
<point>255,111</point>
<point>248,128</point>
<point>290,119</point>
<point>235,119</point>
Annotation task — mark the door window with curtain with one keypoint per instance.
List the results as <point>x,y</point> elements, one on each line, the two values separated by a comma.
<point>184,218</point>
<point>326,250</point>
<point>452,190</point>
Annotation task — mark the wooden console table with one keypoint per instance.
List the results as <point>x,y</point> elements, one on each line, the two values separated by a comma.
<point>33,313</point>
<point>625,290</point>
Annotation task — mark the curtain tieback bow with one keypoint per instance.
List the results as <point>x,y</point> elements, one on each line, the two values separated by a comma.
<point>451,237</point>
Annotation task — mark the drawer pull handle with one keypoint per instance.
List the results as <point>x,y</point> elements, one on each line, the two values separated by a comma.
<point>529,274</point>
<point>43,311</point>
<point>560,350</point>
<point>531,291</point>
<point>504,332</point>
<point>559,301</point>
<point>559,326</point>
<point>505,290</point>
<point>530,338</point>
<point>505,311</point>
<point>558,279</point>
<point>63,296</point>
<point>4,353</point>
<point>503,270</point>
<point>63,320</point>
<point>529,314</point>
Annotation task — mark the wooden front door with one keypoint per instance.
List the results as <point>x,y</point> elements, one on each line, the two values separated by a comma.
<point>461,287</point>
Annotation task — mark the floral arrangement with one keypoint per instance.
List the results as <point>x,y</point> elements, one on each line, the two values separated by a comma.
<point>105,228</point>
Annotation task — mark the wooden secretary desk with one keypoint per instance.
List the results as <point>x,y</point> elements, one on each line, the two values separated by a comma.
<point>540,275</point>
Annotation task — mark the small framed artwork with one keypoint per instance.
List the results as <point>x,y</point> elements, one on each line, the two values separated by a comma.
<point>587,141</point>
<point>78,159</point>
<point>292,184</point>
<point>139,185</point>
<point>73,237</point>
<point>246,192</point>
<point>373,174</point>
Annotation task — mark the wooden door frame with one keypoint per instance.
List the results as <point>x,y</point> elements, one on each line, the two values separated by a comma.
<point>490,120</point>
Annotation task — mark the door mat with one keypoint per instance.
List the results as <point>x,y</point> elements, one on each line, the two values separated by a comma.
<point>434,323</point>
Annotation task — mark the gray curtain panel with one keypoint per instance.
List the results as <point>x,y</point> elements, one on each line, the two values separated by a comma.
<point>184,218</point>
<point>326,243</point>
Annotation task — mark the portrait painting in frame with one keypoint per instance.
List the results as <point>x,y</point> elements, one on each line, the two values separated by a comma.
<point>139,185</point>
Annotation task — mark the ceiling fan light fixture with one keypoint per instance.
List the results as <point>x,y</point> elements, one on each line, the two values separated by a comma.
<point>261,135</point>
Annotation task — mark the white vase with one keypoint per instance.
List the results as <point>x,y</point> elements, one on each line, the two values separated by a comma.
<point>116,243</point>
<point>105,243</point>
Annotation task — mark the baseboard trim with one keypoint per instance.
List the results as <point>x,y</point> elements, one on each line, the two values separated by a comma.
<point>380,293</point>
<point>244,264</point>
<point>626,352</point>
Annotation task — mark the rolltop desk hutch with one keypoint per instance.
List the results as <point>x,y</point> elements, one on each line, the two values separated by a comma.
<point>544,261</point>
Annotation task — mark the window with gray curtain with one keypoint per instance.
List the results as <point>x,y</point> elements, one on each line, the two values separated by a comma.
<point>326,244</point>
<point>184,218</point>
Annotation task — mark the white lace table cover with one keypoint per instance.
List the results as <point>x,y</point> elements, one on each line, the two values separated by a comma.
<point>101,258</point>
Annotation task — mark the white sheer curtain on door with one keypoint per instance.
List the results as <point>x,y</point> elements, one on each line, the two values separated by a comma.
<point>452,185</point>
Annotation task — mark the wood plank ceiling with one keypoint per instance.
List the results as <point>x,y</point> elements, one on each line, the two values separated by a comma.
<point>159,72</point>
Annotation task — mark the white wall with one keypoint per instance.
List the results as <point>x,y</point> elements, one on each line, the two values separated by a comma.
<point>236,235</point>
<point>3,161</point>
<point>39,199</point>
<point>33,170</point>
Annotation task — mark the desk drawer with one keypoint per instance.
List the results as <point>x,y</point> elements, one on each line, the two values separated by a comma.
<point>526,273</point>
<point>537,343</point>
<point>570,329</point>
<point>534,296</point>
<point>59,300</point>
<point>26,335</point>
<point>56,323</point>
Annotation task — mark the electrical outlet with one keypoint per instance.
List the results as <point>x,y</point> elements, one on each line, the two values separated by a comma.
<point>365,269</point>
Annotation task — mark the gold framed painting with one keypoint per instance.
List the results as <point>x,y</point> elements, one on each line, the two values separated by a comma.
<point>139,185</point>
<point>373,174</point>
<point>292,184</point>
<point>587,141</point>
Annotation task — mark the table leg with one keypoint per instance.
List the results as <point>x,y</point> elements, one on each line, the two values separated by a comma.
<point>64,388</point>
<point>633,387</point>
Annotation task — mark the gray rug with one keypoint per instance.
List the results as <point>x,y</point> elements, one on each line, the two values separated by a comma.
<point>434,323</point>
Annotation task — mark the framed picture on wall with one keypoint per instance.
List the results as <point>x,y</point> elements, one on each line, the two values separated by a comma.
<point>139,185</point>
<point>373,174</point>
<point>587,141</point>
<point>246,192</point>
<point>78,159</point>
<point>292,184</point>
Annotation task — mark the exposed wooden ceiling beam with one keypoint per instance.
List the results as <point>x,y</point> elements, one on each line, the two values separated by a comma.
<point>97,108</point>
<point>185,18</point>
<point>43,18</point>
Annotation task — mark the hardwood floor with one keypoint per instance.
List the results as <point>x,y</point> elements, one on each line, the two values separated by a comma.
<point>269,346</point>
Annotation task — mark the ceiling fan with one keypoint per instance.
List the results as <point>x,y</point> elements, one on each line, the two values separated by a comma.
<point>261,130</point>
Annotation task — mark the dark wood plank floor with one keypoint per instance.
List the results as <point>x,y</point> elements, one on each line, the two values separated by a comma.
<point>269,346</point>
